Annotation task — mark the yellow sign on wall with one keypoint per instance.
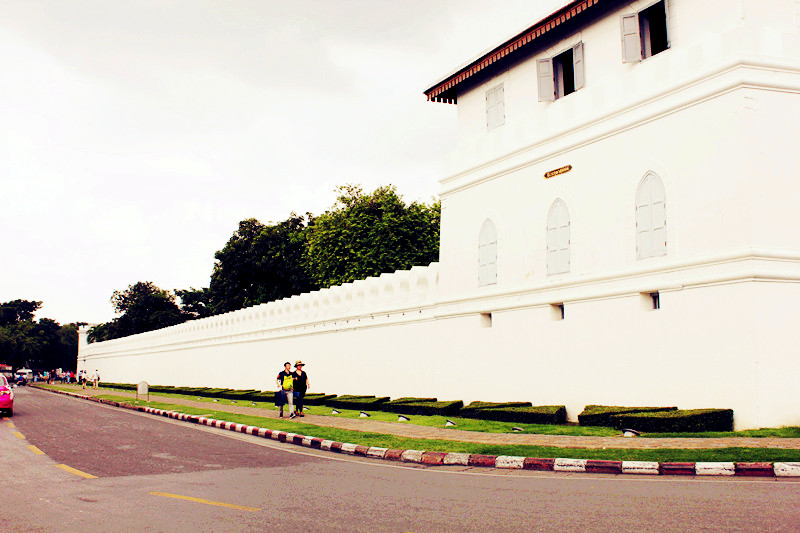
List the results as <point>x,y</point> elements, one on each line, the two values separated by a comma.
<point>557,172</point>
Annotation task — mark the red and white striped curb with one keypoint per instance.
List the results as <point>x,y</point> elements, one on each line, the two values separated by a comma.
<point>596,466</point>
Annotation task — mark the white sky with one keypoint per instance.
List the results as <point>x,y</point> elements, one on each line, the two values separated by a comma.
<point>136,134</point>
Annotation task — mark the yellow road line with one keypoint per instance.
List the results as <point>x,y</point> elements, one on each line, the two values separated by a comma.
<point>10,424</point>
<point>76,472</point>
<point>35,450</point>
<point>207,502</point>
<point>19,435</point>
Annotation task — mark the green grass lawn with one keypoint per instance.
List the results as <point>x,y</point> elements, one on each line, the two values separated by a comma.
<point>467,424</point>
<point>739,454</point>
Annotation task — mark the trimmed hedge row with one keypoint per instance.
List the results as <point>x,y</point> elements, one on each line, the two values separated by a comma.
<point>349,401</point>
<point>429,408</point>
<point>646,419</point>
<point>692,420</point>
<point>408,399</point>
<point>540,414</point>
<point>600,415</point>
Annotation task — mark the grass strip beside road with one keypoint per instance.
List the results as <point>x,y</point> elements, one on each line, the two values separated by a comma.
<point>737,454</point>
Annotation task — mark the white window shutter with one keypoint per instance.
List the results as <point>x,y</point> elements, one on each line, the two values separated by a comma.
<point>659,216</point>
<point>544,73</point>
<point>491,100</point>
<point>558,239</point>
<point>577,65</point>
<point>500,106</point>
<point>651,218</point>
<point>631,42</point>
<point>487,254</point>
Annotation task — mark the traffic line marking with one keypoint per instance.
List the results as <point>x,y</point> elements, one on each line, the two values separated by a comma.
<point>19,435</point>
<point>35,450</point>
<point>10,424</point>
<point>207,502</point>
<point>76,472</point>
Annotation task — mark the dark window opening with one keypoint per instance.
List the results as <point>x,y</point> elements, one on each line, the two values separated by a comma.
<point>654,296</point>
<point>564,73</point>
<point>653,29</point>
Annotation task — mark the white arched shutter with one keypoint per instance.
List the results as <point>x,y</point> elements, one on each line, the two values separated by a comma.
<point>651,218</point>
<point>558,239</point>
<point>487,254</point>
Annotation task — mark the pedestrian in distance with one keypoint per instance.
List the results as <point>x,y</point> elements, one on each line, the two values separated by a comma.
<point>83,378</point>
<point>301,385</point>
<point>95,378</point>
<point>285,381</point>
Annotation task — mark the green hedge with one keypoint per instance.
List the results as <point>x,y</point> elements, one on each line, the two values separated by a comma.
<point>694,420</point>
<point>600,415</point>
<point>409,399</point>
<point>474,407</point>
<point>540,414</point>
<point>317,398</point>
<point>349,401</point>
<point>429,408</point>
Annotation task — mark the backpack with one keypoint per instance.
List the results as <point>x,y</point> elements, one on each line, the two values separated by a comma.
<point>288,382</point>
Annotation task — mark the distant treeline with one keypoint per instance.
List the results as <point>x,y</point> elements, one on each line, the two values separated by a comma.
<point>361,235</point>
<point>43,345</point>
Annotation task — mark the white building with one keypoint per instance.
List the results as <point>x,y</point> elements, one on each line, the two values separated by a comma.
<point>618,227</point>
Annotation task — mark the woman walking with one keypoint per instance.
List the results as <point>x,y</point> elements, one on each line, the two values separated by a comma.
<point>301,385</point>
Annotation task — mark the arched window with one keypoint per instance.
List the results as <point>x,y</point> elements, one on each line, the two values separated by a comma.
<point>651,218</point>
<point>558,238</point>
<point>487,254</point>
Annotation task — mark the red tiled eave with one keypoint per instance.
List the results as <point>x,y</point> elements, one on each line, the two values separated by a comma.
<point>443,91</point>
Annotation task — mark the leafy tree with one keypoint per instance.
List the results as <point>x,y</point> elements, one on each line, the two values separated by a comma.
<point>42,345</point>
<point>17,311</point>
<point>260,264</point>
<point>195,303</point>
<point>142,307</point>
<point>368,234</point>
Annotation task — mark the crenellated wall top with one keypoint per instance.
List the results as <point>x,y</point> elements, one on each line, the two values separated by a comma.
<point>385,294</point>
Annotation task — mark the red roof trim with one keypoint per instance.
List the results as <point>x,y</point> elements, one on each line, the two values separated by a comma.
<point>545,25</point>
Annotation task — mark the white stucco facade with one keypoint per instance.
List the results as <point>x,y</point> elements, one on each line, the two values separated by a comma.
<point>563,305</point>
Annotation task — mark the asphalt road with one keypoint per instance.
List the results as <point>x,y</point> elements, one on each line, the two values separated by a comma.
<point>156,474</point>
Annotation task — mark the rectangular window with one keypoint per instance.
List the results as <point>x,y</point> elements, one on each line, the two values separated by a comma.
<point>557,311</point>
<point>644,34</point>
<point>486,320</point>
<point>560,75</point>
<point>650,300</point>
<point>495,108</point>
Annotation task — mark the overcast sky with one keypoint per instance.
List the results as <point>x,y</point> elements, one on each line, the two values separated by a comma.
<point>136,134</point>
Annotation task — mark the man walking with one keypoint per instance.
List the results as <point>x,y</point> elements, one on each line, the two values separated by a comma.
<point>95,378</point>
<point>285,381</point>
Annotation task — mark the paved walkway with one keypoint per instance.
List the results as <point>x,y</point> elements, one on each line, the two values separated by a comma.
<point>426,432</point>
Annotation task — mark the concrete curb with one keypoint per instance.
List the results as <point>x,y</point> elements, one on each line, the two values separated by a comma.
<point>488,461</point>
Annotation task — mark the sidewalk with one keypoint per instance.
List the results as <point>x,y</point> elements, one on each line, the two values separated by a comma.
<point>426,432</point>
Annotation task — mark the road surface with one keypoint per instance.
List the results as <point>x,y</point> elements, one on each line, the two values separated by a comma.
<point>72,465</point>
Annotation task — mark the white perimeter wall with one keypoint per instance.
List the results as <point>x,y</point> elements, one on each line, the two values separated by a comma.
<point>722,345</point>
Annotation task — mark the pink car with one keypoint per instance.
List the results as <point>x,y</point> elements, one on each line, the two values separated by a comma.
<point>6,396</point>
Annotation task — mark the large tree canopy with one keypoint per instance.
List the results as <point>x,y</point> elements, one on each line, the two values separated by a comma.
<point>260,264</point>
<point>369,234</point>
<point>142,307</point>
<point>362,235</point>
